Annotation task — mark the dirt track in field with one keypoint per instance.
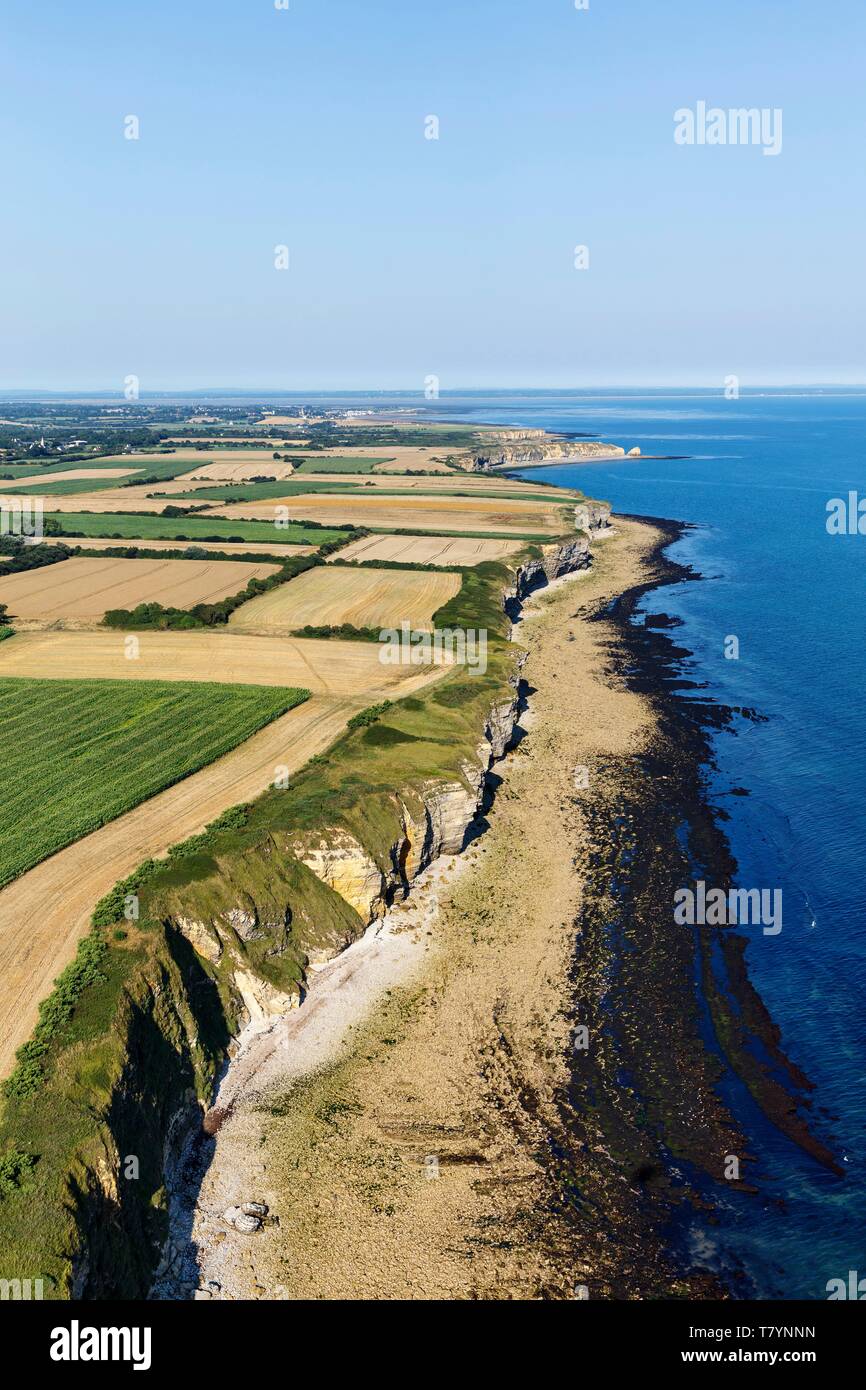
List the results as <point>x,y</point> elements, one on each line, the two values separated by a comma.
<point>428,550</point>
<point>86,587</point>
<point>44,913</point>
<point>362,597</point>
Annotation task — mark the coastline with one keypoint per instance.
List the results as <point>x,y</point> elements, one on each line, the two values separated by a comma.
<point>458,1072</point>
<point>431,1116</point>
<point>447,1135</point>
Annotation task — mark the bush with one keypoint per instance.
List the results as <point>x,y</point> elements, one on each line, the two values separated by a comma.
<point>16,556</point>
<point>344,632</point>
<point>234,818</point>
<point>54,1012</point>
<point>154,616</point>
<point>365,717</point>
<point>110,908</point>
<point>15,1169</point>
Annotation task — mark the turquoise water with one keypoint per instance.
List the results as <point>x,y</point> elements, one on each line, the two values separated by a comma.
<point>760,473</point>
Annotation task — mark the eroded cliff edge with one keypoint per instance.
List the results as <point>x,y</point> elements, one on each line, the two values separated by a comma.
<point>526,448</point>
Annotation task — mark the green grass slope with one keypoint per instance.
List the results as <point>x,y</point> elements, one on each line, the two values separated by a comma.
<point>123,525</point>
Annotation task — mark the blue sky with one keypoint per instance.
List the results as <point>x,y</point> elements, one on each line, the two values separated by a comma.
<point>412,257</point>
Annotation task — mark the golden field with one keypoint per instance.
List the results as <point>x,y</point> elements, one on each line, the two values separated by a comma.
<point>363,597</point>
<point>324,667</point>
<point>89,587</point>
<point>428,550</point>
<point>409,513</point>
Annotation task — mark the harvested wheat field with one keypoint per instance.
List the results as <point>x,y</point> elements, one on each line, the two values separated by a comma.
<point>428,550</point>
<point>70,475</point>
<point>237,440</point>
<point>128,499</point>
<point>45,912</point>
<point>258,454</point>
<point>410,513</point>
<point>213,470</point>
<point>365,598</point>
<point>466,485</point>
<point>87,587</point>
<point>405,457</point>
<point>324,667</point>
<point>222,547</point>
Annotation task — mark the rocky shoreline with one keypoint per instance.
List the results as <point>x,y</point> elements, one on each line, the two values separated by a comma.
<point>205,1253</point>
<point>448,813</point>
<point>573,1114</point>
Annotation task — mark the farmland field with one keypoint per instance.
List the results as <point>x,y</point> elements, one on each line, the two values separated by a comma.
<point>365,508</point>
<point>188,457</point>
<point>86,587</point>
<point>239,548</point>
<point>65,483</point>
<point>108,499</point>
<point>362,597</point>
<point>45,912</point>
<point>338,463</point>
<point>214,470</point>
<point>24,472</point>
<point>446,485</point>
<point>428,550</point>
<point>68,487</point>
<point>189,528</point>
<point>255,492</point>
<point>63,475</point>
<point>80,753</point>
<point>325,667</point>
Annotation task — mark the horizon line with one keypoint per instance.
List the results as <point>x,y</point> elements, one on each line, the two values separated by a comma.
<point>114,393</point>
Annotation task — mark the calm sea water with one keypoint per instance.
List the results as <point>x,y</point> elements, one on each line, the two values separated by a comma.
<point>756,483</point>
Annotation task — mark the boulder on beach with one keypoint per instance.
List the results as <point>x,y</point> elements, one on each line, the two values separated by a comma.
<point>247,1222</point>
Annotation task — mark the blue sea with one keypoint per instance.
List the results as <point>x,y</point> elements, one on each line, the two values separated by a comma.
<point>759,474</point>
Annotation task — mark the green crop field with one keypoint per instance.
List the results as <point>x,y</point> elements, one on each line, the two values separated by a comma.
<point>79,753</point>
<point>125,526</point>
<point>257,492</point>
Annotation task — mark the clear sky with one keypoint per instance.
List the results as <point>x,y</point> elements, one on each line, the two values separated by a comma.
<point>411,257</point>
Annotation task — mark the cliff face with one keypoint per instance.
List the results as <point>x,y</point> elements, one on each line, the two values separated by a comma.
<point>520,453</point>
<point>556,560</point>
<point>592,517</point>
<point>433,819</point>
<point>236,945</point>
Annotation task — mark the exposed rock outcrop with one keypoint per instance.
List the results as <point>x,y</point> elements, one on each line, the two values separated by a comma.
<point>262,1000</point>
<point>339,860</point>
<point>201,937</point>
<point>517,453</point>
<point>557,560</point>
<point>437,825</point>
<point>592,517</point>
